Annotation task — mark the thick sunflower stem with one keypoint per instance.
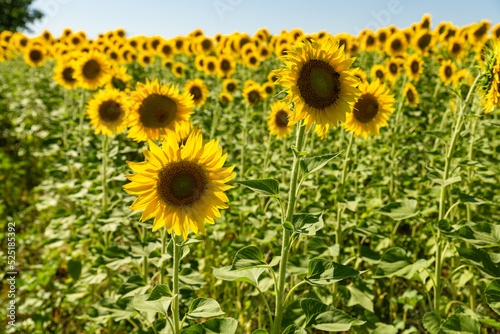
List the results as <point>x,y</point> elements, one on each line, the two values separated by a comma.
<point>340,209</point>
<point>448,157</point>
<point>175,302</point>
<point>285,247</point>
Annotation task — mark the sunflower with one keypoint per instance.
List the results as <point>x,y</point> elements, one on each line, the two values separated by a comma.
<point>92,70</point>
<point>167,63</point>
<point>495,32</point>
<point>456,47</point>
<point>268,89</point>
<point>278,119</point>
<point>447,71</point>
<point>210,65</point>
<point>320,83</point>
<point>119,77</point>
<point>225,66</point>
<point>489,84</point>
<point>108,112</point>
<point>396,44</point>
<point>157,107</point>
<point>479,32</point>
<point>182,187</point>
<point>199,62</point>
<point>35,55</point>
<point>411,94</point>
<point>272,76</point>
<point>424,40</point>
<point>393,69</point>
<point>371,111</point>
<point>361,75</point>
<point>64,73</point>
<point>249,83</point>
<point>414,67</point>
<point>251,60</point>
<point>369,41</point>
<point>225,98</point>
<point>378,72</point>
<point>198,90</point>
<point>253,94</point>
<point>382,35</point>
<point>178,69</point>
<point>264,52</point>
<point>146,58</point>
<point>230,86</point>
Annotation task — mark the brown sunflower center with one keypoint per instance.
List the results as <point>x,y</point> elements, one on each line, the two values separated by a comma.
<point>206,45</point>
<point>253,97</point>
<point>146,59</point>
<point>410,95</point>
<point>319,84</point>
<point>396,45</point>
<point>225,65</point>
<point>370,40</point>
<point>424,41</point>
<point>118,83</point>
<point>455,48</point>
<point>366,108</point>
<point>91,69</point>
<point>231,87</point>
<point>393,68</point>
<point>35,55</point>
<point>211,66</point>
<point>67,74</point>
<point>281,119</point>
<point>382,37</point>
<point>157,111</point>
<point>110,111</point>
<point>181,183</point>
<point>415,67</point>
<point>196,92</point>
<point>481,31</point>
<point>167,50</point>
<point>379,74</point>
<point>178,69</point>
<point>448,71</point>
<point>269,90</point>
<point>253,60</point>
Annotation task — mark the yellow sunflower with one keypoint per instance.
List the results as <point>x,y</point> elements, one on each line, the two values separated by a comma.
<point>424,40</point>
<point>119,77</point>
<point>393,69</point>
<point>178,69</point>
<point>253,94</point>
<point>371,111</point>
<point>447,71</point>
<point>225,99</point>
<point>378,72</point>
<point>35,55</point>
<point>92,70</point>
<point>414,67</point>
<point>157,107</point>
<point>369,41</point>
<point>456,47</point>
<point>396,44</point>
<point>64,73</point>
<point>411,94</point>
<point>182,187</point>
<point>225,66</point>
<point>268,89</point>
<point>489,84</point>
<point>210,65</point>
<point>251,60</point>
<point>167,63</point>
<point>278,119</point>
<point>108,111</point>
<point>198,91</point>
<point>320,83</point>
<point>230,86</point>
<point>146,58</point>
<point>479,32</point>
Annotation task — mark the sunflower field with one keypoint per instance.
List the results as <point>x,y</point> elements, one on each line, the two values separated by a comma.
<point>293,183</point>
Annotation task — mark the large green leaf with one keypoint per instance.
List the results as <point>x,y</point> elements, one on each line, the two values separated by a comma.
<point>247,275</point>
<point>250,257</point>
<point>204,308</point>
<point>265,187</point>
<point>323,272</point>
<point>394,262</point>
<point>213,326</point>
<point>159,291</point>
<point>294,329</point>
<point>326,318</point>
<point>482,234</point>
<point>306,223</point>
<point>75,269</point>
<point>160,305</point>
<point>432,322</point>
<point>481,259</point>
<point>400,210</point>
<point>462,323</point>
<point>492,293</point>
<point>312,164</point>
<point>360,297</point>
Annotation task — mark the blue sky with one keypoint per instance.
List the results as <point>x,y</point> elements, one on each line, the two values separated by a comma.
<point>172,18</point>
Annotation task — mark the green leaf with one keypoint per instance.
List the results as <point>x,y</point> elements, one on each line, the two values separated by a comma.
<point>249,257</point>
<point>159,291</point>
<point>214,326</point>
<point>323,272</point>
<point>156,306</point>
<point>204,308</point>
<point>75,269</point>
<point>482,234</point>
<point>326,318</point>
<point>248,275</point>
<point>363,298</point>
<point>306,223</point>
<point>385,329</point>
<point>265,187</point>
<point>432,322</point>
<point>313,164</point>
<point>400,210</point>
<point>481,259</point>
<point>394,262</point>
<point>461,323</point>
<point>294,329</point>
<point>261,331</point>
<point>133,283</point>
<point>452,180</point>
<point>492,293</point>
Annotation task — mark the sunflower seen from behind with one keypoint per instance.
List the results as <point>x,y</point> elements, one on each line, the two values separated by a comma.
<point>278,119</point>
<point>318,79</point>
<point>156,108</point>
<point>182,187</point>
<point>371,110</point>
<point>108,111</point>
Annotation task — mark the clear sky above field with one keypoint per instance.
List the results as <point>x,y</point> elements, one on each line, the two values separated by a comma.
<point>172,18</point>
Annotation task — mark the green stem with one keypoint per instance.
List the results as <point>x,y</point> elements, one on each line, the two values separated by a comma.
<point>163,233</point>
<point>104,162</point>
<point>175,302</point>
<point>285,247</point>
<point>244,142</point>
<point>145,264</point>
<point>470,155</point>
